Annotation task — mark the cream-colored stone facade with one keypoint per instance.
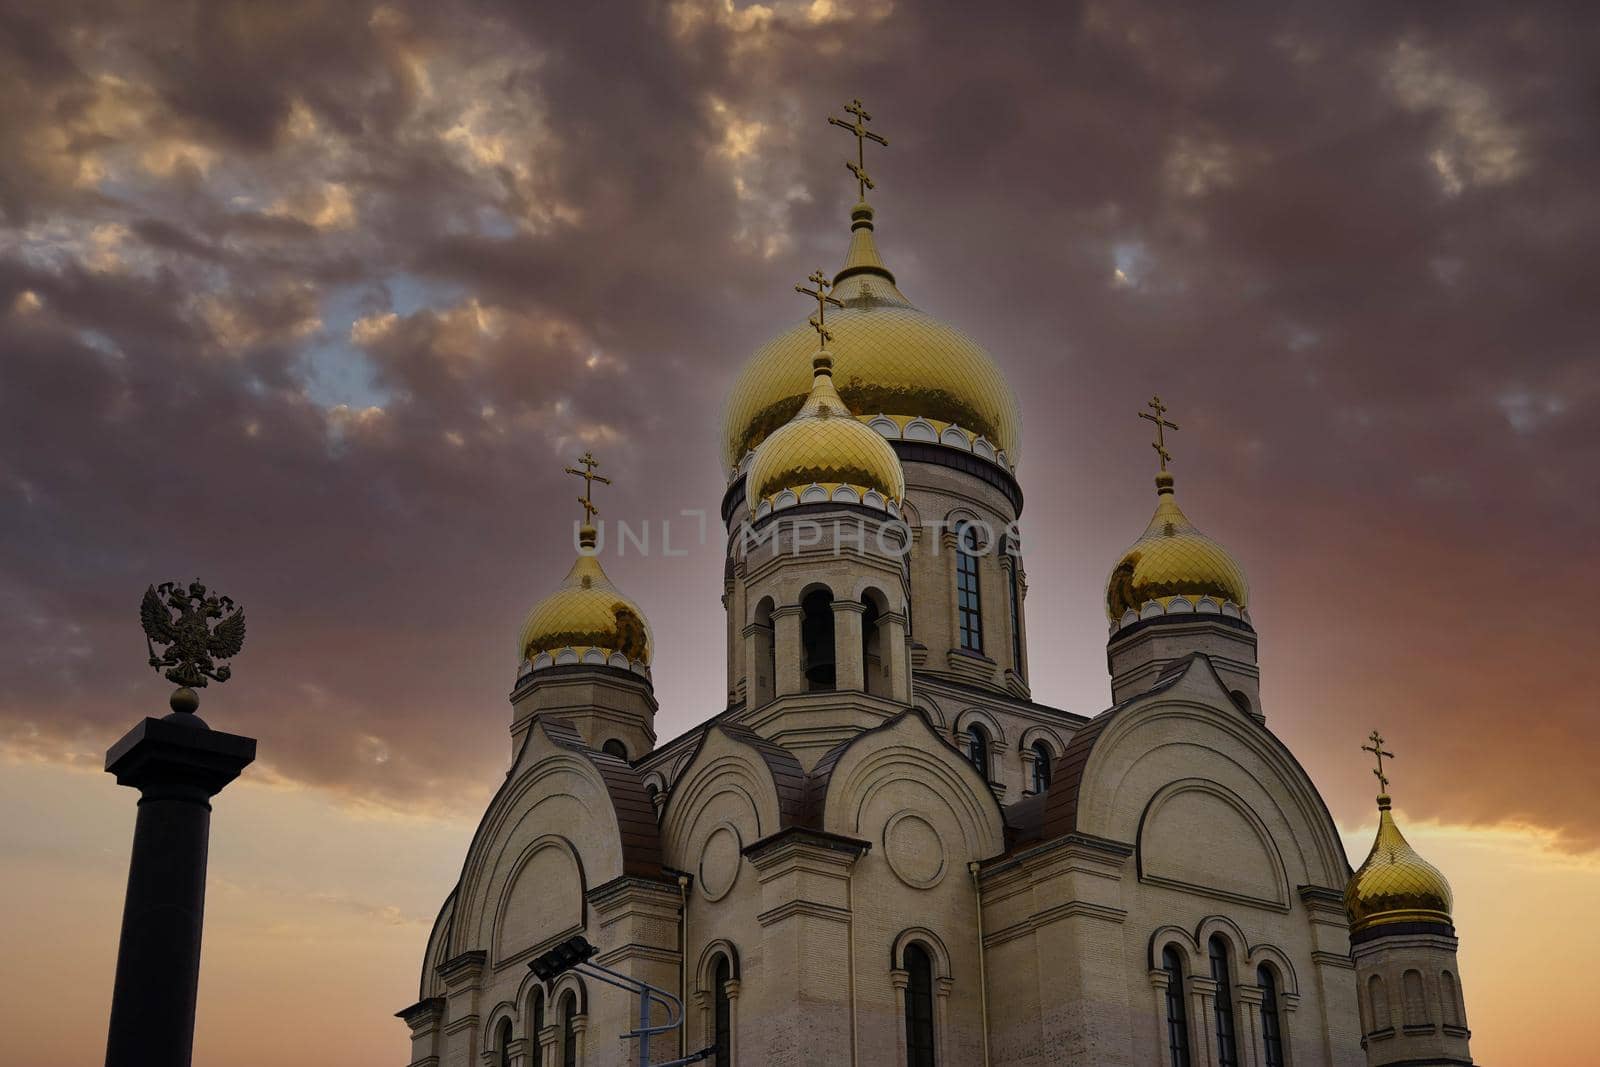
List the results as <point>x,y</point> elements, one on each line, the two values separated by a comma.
<point>884,851</point>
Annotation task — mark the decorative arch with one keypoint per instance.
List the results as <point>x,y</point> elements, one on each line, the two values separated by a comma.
<point>997,735</point>
<point>1040,732</point>
<point>567,850</point>
<point>1278,961</point>
<point>567,982</point>
<point>1269,848</point>
<point>703,971</point>
<point>928,940</point>
<point>502,1013</point>
<point>1190,703</point>
<point>1176,937</point>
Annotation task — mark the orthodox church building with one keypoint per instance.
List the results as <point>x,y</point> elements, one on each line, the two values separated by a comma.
<point>884,850</point>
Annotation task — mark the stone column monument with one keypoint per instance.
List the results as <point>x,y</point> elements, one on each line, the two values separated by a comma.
<point>178,764</point>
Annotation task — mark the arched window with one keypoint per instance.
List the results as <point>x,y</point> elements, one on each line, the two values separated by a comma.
<point>762,684</point>
<point>1451,1003</point>
<point>872,665</point>
<point>1227,1042</point>
<point>1014,590</point>
<point>1416,1003</point>
<point>816,639</point>
<point>569,1031</point>
<point>502,1043</point>
<point>1379,997</point>
<point>1177,1018</point>
<point>721,975</point>
<point>536,1024</point>
<point>615,748</point>
<point>968,609</point>
<point>978,749</point>
<point>919,1007</point>
<point>1041,767</point>
<point>1271,1023</point>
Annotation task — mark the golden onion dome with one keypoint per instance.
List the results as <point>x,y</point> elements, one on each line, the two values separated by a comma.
<point>824,445</point>
<point>1395,884</point>
<point>889,359</point>
<point>586,612</point>
<point>1172,559</point>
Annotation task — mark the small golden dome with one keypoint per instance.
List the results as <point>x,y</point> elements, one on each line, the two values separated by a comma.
<point>1173,559</point>
<point>824,445</point>
<point>585,613</point>
<point>1395,885</point>
<point>889,358</point>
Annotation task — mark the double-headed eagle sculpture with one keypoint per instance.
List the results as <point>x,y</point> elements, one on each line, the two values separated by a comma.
<point>180,619</point>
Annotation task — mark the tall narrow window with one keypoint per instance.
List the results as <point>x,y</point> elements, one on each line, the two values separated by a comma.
<point>503,1041</point>
<point>569,1031</point>
<point>1016,617</point>
<point>1227,1043</point>
<point>1041,767</point>
<point>536,1031</point>
<point>1271,1024</point>
<point>978,749</point>
<point>919,1007</point>
<point>967,606</point>
<point>1177,1018</point>
<point>816,637</point>
<point>1379,997</point>
<point>1416,1004</point>
<point>1447,996</point>
<point>720,977</point>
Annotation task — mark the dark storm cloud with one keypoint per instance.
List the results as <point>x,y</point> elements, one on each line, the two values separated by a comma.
<point>313,300</point>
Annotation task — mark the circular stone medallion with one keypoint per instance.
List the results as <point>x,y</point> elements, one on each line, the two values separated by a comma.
<point>719,862</point>
<point>914,850</point>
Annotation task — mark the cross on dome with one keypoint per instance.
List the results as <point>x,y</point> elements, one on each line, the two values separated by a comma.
<point>863,135</point>
<point>589,478</point>
<point>1162,425</point>
<point>1376,748</point>
<point>819,321</point>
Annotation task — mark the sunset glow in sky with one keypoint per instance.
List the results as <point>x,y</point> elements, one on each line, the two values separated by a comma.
<point>314,300</point>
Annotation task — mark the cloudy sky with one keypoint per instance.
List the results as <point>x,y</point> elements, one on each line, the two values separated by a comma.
<point>314,300</point>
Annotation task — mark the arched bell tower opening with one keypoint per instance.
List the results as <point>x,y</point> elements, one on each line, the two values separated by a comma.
<point>873,665</point>
<point>818,657</point>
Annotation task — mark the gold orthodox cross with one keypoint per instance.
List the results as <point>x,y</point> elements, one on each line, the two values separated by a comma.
<point>1376,748</point>
<point>863,135</point>
<point>1162,426</point>
<point>819,321</point>
<point>589,478</point>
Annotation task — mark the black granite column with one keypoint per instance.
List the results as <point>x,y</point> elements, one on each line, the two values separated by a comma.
<point>178,764</point>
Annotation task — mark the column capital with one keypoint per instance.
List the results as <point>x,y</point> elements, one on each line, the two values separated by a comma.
<point>179,755</point>
<point>899,979</point>
<point>785,611</point>
<point>731,988</point>
<point>856,607</point>
<point>1160,979</point>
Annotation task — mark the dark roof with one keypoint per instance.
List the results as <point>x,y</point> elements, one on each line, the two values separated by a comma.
<point>789,779</point>
<point>636,816</point>
<point>1060,815</point>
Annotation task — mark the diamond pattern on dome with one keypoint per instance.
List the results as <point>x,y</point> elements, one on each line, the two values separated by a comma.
<point>586,612</point>
<point>1173,558</point>
<point>826,446</point>
<point>888,359</point>
<point>1395,884</point>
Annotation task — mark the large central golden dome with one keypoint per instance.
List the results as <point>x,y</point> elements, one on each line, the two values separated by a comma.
<point>889,358</point>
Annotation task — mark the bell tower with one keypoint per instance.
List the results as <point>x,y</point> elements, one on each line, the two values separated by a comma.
<point>818,588</point>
